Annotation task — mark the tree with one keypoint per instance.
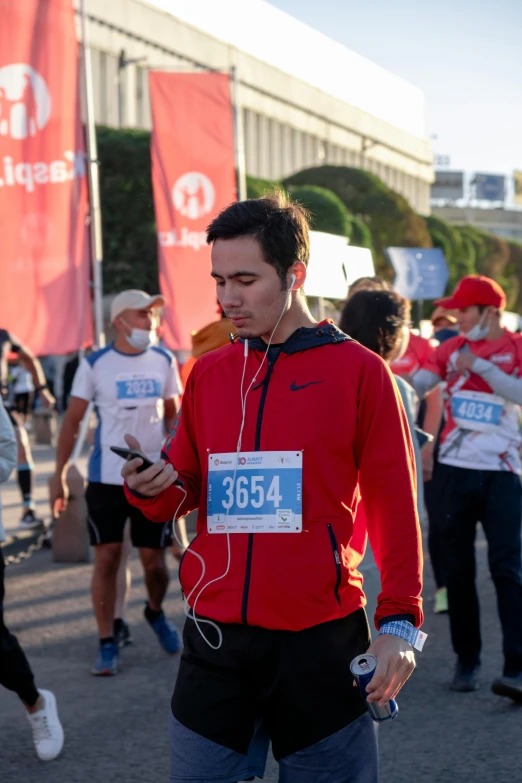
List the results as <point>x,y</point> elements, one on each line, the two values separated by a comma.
<point>492,252</point>
<point>460,254</point>
<point>514,272</point>
<point>494,258</point>
<point>389,217</point>
<point>361,234</point>
<point>328,212</point>
<point>257,187</point>
<point>128,225</point>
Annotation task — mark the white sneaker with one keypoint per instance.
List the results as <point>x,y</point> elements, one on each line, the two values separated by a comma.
<point>47,729</point>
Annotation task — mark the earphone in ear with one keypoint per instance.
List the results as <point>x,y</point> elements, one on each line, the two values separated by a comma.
<point>292,281</point>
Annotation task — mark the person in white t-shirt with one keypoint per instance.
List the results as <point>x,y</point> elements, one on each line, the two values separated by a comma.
<point>135,388</point>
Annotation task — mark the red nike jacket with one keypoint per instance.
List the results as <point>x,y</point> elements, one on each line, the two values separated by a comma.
<point>324,394</point>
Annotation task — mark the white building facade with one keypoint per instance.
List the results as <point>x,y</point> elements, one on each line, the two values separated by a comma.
<point>305,99</point>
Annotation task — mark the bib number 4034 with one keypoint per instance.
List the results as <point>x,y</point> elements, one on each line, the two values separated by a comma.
<point>250,491</point>
<point>468,409</point>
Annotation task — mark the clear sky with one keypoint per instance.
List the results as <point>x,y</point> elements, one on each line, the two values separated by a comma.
<point>466,56</point>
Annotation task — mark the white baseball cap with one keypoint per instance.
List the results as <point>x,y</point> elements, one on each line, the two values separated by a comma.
<point>134,300</point>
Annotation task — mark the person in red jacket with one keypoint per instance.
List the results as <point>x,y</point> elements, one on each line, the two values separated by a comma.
<point>277,435</point>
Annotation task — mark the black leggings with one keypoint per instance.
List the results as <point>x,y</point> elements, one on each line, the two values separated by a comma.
<point>15,672</point>
<point>493,497</point>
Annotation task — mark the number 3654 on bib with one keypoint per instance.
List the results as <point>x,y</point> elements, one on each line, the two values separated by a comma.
<point>255,492</point>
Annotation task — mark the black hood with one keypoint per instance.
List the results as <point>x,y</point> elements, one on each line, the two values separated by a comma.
<point>323,333</point>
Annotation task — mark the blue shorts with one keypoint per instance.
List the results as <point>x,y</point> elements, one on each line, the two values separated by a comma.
<point>348,756</point>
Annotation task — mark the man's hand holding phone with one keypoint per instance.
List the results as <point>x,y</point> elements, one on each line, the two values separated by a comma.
<point>151,481</point>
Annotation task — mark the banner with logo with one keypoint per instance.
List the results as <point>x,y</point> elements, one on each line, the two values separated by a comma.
<point>193,176</point>
<point>44,257</point>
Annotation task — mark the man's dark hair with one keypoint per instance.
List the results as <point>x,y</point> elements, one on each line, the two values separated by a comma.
<point>375,319</point>
<point>279,225</point>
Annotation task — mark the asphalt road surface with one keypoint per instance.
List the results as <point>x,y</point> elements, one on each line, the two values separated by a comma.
<point>116,729</point>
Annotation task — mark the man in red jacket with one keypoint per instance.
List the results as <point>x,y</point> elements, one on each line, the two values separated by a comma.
<point>278,434</point>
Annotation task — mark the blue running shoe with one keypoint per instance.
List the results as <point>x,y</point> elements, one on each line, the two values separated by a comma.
<point>167,635</point>
<point>106,663</point>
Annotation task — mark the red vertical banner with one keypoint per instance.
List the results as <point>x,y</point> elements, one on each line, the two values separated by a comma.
<point>44,252</point>
<point>193,177</point>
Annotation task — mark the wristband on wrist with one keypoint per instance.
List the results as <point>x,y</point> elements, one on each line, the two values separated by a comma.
<point>406,631</point>
<point>41,388</point>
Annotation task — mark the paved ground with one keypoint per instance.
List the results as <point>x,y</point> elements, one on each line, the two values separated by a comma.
<point>117,729</point>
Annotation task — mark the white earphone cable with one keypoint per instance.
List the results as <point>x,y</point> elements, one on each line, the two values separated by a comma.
<point>186,606</point>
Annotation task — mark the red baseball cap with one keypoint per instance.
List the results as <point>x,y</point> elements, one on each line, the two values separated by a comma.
<point>474,290</point>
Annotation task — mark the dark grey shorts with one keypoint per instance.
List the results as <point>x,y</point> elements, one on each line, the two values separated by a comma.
<point>348,756</point>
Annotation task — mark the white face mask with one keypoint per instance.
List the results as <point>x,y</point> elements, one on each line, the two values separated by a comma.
<point>140,338</point>
<point>478,332</point>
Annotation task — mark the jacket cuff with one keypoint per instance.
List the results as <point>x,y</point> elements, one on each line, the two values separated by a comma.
<point>136,494</point>
<point>393,617</point>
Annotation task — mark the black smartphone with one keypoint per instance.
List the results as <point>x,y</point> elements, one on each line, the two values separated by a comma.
<point>129,454</point>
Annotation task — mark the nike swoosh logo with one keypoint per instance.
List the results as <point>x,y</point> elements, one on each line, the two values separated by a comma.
<point>295,387</point>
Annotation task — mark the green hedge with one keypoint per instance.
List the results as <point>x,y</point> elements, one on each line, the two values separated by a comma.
<point>361,234</point>
<point>514,272</point>
<point>390,219</point>
<point>256,187</point>
<point>327,211</point>
<point>343,200</point>
<point>493,258</point>
<point>459,253</point>
<point>492,252</point>
<point>129,233</point>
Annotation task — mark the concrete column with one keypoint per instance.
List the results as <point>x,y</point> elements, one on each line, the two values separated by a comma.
<point>111,97</point>
<point>287,151</point>
<point>251,144</point>
<point>275,150</point>
<point>146,112</point>
<point>298,150</point>
<point>130,91</point>
<point>263,146</point>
